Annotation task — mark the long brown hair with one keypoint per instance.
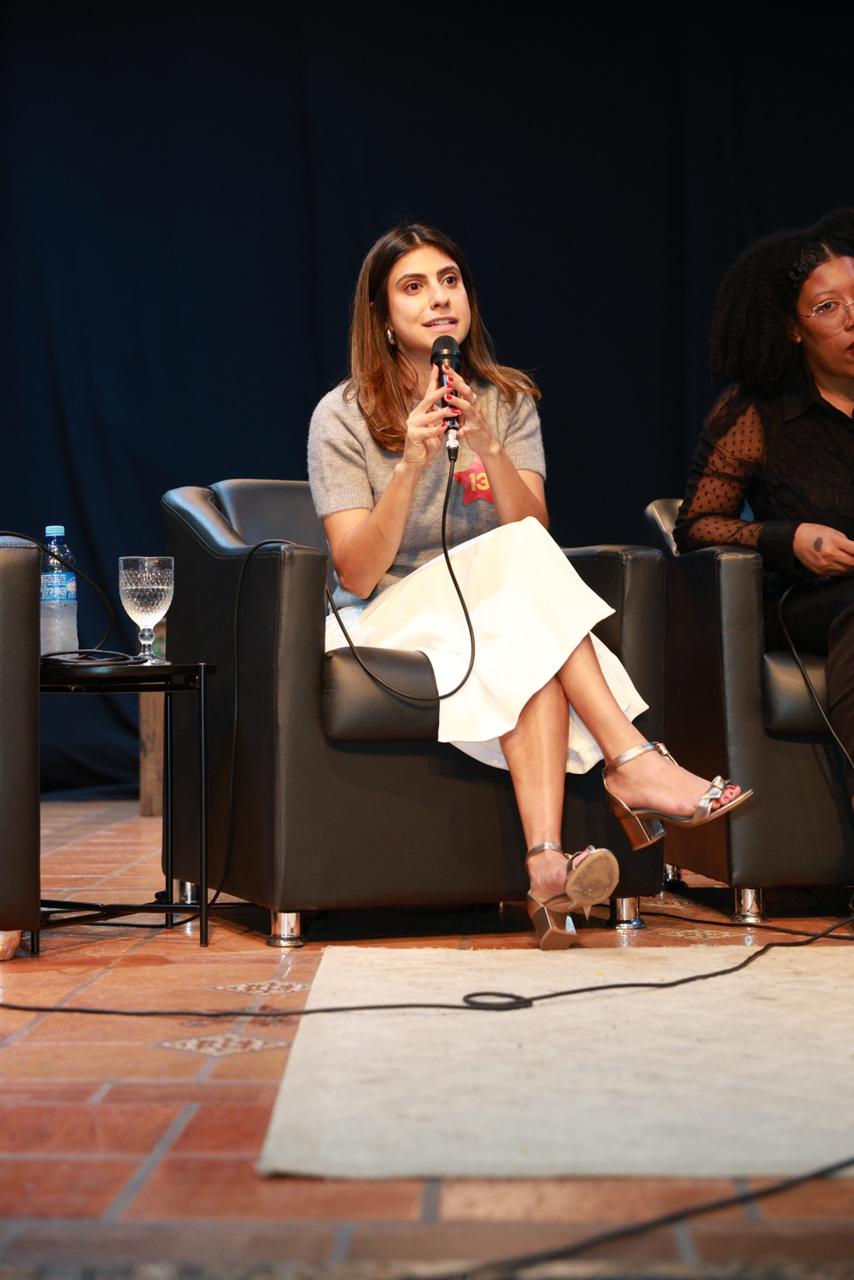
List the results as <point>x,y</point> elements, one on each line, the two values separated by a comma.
<point>381,379</point>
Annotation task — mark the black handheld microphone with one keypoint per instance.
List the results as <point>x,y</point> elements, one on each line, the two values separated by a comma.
<point>446,350</point>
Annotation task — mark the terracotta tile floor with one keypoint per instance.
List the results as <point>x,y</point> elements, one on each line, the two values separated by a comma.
<point>125,1140</point>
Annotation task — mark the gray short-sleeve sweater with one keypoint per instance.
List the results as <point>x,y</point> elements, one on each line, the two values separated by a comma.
<point>347,469</point>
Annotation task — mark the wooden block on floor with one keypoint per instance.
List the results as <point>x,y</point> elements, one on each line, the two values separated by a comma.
<point>151,755</point>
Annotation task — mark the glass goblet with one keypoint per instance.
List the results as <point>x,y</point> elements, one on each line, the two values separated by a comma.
<point>146,585</point>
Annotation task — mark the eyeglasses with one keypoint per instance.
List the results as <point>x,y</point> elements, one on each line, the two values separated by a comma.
<point>833,314</point>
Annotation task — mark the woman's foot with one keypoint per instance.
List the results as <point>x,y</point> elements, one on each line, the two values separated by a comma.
<point>573,882</point>
<point>561,884</point>
<point>547,871</point>
<point>654,781</point>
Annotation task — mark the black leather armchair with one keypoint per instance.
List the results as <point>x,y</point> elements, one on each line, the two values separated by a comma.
<point>733,707</point>
<point>19,736</point>
<point>341,795</point>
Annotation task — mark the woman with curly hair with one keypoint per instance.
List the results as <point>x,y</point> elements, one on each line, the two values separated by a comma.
<point>545,696</point>
<point>780,440</point>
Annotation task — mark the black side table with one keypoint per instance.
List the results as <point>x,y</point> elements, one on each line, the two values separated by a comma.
<point>167,678</point>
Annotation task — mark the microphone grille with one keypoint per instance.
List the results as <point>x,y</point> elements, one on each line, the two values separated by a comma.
<point>445,348</point>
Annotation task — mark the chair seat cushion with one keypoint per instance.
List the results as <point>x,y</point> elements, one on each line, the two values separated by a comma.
<point>356,709</point>
<point>789,705</point>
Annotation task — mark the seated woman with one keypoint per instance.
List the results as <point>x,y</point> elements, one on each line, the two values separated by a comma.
<point>544,696</point>
<point>781,439</point>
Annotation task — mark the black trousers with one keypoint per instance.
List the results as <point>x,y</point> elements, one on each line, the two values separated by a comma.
<point>820,618</point>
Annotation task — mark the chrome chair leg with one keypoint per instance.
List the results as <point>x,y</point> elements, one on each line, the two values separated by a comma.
<point>625,913</point>
<point>672,874</point>
<point>748,906</point>
<point>188,892</point>
<point>285,929</point>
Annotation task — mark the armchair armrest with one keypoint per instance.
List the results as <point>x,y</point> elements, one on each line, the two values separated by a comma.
<point>715,615</point>
<point>633,581</point>
<point>19,734</point>
<point>716,596</point>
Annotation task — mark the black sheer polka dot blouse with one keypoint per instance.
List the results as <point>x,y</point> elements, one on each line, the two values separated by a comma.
<point>789,458</point>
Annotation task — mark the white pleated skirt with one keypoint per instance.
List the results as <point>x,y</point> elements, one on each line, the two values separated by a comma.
<point>529,610</point>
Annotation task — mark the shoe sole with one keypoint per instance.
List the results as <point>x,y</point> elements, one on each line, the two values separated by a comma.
<point>593,880</point>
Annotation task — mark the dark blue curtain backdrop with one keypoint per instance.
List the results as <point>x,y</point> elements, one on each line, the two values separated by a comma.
<point>191,188</point>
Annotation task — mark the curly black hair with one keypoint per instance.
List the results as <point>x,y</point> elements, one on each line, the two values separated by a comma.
<point>750,339</point>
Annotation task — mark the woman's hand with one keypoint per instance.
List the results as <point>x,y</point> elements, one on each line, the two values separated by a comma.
<point>473,426</point>
<point>823,550</point>
<point>517,494</point>
<point>425,425</point>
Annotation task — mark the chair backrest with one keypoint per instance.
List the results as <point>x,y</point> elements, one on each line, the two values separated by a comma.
<point>661,515</point>
<point>261,509</point>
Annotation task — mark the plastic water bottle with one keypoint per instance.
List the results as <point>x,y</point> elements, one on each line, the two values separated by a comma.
<point>58,595</point>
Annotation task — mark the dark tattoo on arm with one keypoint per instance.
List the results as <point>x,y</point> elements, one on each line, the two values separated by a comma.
<point>817,545</point>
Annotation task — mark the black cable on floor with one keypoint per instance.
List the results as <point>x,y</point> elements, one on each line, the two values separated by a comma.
<point>696,977</point>
<point>507,1267</point>
<point>115,924</point>
<point>191,910</point>
<point>475,1001</point>
<point>502,1002</point>
<point>738,924</point>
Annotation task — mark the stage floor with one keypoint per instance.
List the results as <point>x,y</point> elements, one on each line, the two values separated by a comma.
<point>129,1140</point>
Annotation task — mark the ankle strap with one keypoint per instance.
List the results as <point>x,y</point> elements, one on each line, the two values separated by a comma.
<point>633,753</point>
<point>540,848</point>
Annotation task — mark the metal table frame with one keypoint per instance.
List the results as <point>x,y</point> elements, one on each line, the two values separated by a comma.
<point>167,678</point>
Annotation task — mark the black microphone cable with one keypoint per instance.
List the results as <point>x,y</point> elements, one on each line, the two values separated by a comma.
<point>373,675</point>
<point>453,449</point>
<point>802,668</point>
<point>445,351</point>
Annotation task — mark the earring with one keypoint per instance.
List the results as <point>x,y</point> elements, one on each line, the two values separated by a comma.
<point>389,335</point>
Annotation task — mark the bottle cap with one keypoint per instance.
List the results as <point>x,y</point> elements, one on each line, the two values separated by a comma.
<point>54,531</point>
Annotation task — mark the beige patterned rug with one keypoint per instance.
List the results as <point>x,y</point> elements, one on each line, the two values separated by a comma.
<point>745,1075</point>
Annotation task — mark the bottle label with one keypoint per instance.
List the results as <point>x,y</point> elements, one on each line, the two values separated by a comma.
<point>60,587</point>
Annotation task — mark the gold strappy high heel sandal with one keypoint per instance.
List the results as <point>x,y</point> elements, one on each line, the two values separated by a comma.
<point>592,877</point>
<point>643,826</point>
